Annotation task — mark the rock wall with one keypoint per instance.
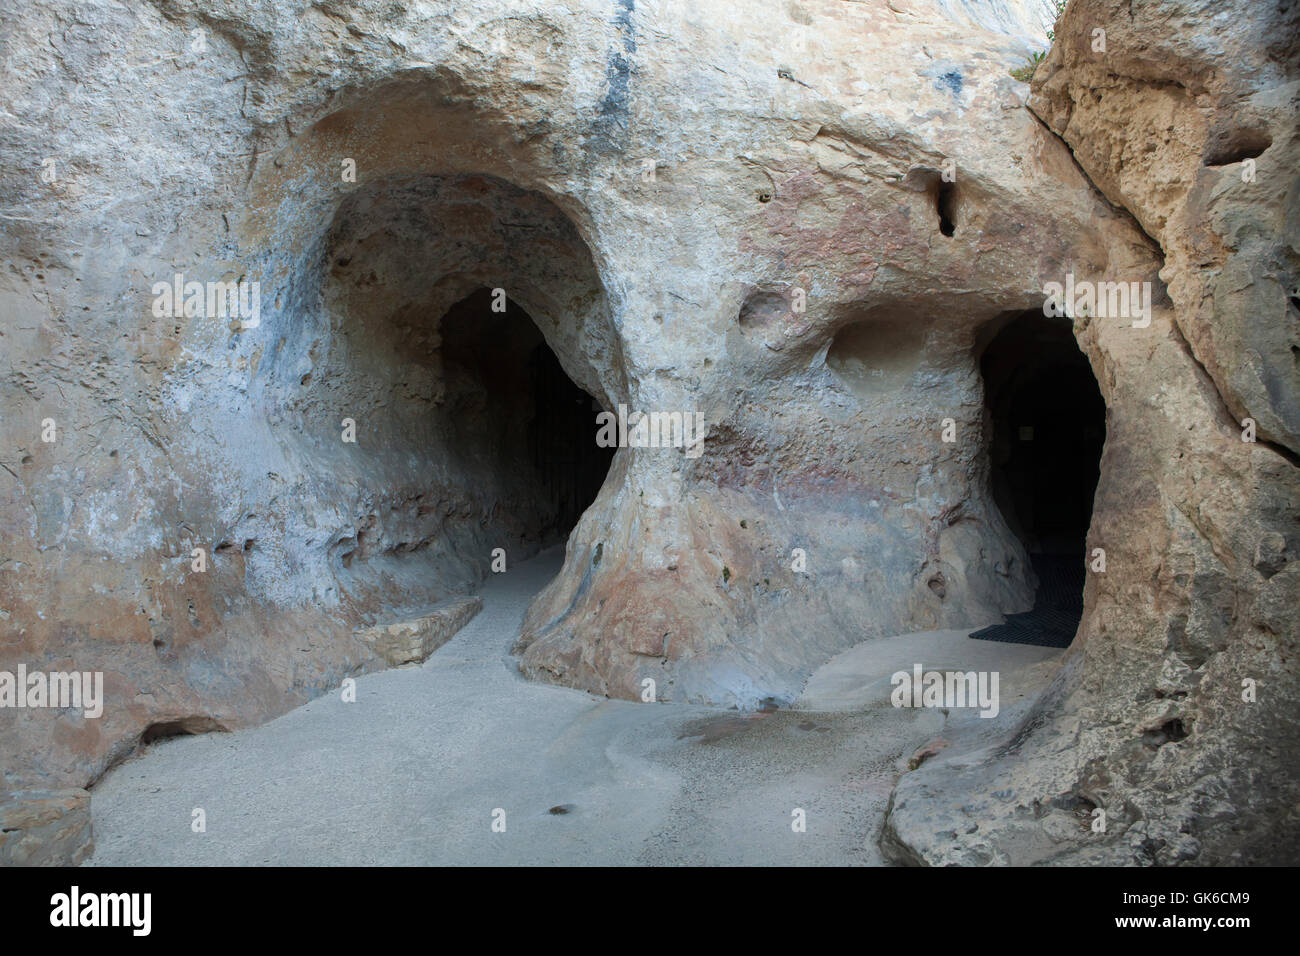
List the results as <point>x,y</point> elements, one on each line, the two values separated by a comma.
<point>734,209</point>
<point>1176,714</point>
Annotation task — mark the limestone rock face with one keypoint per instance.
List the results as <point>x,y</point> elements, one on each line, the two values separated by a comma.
<point>412,641</point>
<point>800,221</point>
<point>45,828</point>
<point>1187,119</point>
<point>648,186</point>
<point>1175,716</point>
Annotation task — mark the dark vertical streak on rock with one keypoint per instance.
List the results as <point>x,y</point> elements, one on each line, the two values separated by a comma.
<point>609,129</point>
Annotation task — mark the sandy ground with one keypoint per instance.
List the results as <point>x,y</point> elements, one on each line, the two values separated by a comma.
<point>412,772</point>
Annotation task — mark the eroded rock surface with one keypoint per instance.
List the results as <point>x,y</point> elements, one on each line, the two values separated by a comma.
<point>734,209</point>
<point>45,828</point>
<point>1176,716</point>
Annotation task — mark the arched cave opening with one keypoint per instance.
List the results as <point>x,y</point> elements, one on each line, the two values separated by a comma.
<point>461,323</point>
<point>513,411</point>
<point>1045,424</point>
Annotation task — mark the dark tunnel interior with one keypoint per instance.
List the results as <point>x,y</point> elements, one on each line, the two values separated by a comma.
<point>1045,423</point>
<point>518,410</point>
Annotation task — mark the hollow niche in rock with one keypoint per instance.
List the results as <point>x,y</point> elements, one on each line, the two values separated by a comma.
<point>466,334</point>
<point>877,356</point>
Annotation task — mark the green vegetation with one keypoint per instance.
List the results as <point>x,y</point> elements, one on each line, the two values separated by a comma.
<point>1026,73</point>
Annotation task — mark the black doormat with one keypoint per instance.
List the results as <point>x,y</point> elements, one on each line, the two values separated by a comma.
<point>1058,606</point>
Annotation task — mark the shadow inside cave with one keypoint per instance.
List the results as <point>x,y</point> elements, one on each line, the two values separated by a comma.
<point>517,411</point>
<point>1046,424</point>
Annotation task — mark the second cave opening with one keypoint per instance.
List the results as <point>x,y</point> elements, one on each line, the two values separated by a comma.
<point>1045,423</point>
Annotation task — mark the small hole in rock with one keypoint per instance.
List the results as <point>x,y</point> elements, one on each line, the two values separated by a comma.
<point>177,728</point>
<point>1170,731</point>
<point>946,205</point>
<point>1236,146</point>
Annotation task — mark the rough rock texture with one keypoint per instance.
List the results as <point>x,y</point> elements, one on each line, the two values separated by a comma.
<point>494,150</point>
<point>45,828</point>
<point>1148,722</point>
<point>656,188</point>
<point>407,642</point>
<point>1162,121</point>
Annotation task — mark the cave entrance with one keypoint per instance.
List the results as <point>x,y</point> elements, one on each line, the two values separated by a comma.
<point>1045,425</point>
<point>517,419</point>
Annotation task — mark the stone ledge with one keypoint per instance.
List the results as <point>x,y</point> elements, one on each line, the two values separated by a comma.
<point>412,641</point>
